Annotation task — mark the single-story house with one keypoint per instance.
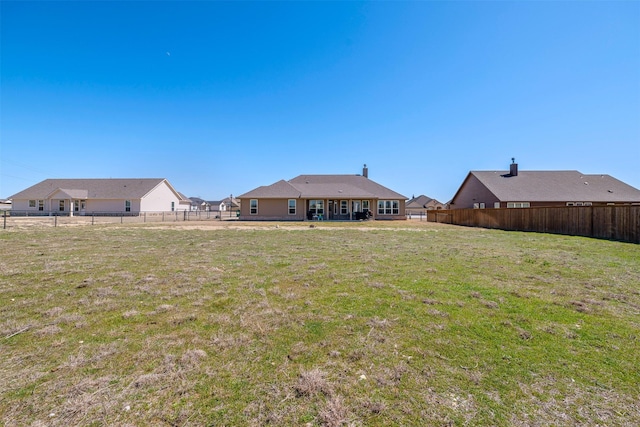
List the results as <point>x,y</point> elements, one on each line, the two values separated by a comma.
<point>323,197</point>
<point>99,196</point>
<point>418,205</point>
<point>198,204</point>
<point>523,189</point>
<point>224,205</point>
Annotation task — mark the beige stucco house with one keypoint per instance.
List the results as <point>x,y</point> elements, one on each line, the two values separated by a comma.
<point>323,197</point>
<point>523,189</point>
<point>99,196</point>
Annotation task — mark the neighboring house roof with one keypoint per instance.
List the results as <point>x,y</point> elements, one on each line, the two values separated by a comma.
<point>109,188</point>
<point>555,186</point>
<point>419,202</point>
<point>324,186</point>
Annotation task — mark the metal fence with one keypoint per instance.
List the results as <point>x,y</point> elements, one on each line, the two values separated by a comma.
<point>604,222</point>
<point>11,218</point>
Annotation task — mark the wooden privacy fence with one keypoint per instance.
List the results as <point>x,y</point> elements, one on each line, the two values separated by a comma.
<point>604,222</point>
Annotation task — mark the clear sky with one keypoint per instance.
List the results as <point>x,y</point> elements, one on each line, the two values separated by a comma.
<point>223,97</point>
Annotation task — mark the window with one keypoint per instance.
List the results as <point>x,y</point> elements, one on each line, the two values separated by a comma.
<point>173,206</point>
<point>32,203</point>
<point>388,207</point>
<point>61,205</point>
<point>292,206</point>
<point>40,205</point>
<point>344,207</point>
<point>316,207</point>
<point>365,205</point>
<point>518,205</point>
<point>127,205</point>
<point>253,206</point>
<point>496,205</point>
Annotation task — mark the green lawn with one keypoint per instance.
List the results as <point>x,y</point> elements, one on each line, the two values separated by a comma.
<point>372,323</point>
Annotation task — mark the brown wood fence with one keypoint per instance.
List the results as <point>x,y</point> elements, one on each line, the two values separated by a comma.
<point>604,222</point>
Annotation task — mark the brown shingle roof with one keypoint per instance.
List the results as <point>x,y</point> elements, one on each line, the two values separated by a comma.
<point>556,186</point>
<point>110,188</point>
<point>279,190</point>
<point>324,186</point>
<point>419,202</point>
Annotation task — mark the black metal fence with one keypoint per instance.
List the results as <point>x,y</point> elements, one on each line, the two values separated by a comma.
<point>12,218</point>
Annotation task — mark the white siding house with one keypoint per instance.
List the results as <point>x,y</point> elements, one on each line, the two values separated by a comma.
<point>98,196</point>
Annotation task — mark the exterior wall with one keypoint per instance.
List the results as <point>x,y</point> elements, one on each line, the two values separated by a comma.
<point>473,191</point>
<point>564,204</point>
<point>277,210</point>
<point>22,205</point>
<point>92,206</point>
<point>49,206</point>
<point>159,200</point>
<point>110,206</point>
<point>401,212</point>
<point>272,210</point>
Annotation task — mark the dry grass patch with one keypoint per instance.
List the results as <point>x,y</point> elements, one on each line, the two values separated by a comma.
<point>368,324</point>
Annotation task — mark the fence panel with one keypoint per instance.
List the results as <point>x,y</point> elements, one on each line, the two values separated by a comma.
<point>23,219</point>
<point>604,222</point>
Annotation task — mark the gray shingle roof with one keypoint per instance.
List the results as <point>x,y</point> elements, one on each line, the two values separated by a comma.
<point>556,186</point>
<point>324,186</point>
<point>110,188</point>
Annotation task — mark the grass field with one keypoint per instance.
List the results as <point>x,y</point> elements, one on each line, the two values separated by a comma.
<point>372,323</point>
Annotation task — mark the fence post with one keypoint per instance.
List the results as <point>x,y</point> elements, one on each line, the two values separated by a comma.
<point>55,220</point>
<point>93,217</point>
<point>145,217</point>
<point>4,216</point>
<point>121,217</point>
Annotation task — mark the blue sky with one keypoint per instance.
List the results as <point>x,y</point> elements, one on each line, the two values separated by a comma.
<point>222,97</point>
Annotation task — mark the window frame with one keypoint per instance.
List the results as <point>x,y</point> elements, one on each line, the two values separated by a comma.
<point>344,207</point>
<point>518,205</point>
<point>318,206</point>
<point>388,207</point>
<point>253,206</point>
<point>289,208</point>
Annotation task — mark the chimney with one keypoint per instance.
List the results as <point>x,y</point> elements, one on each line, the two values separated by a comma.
<point>513,167</point>
<point>365,171</point>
